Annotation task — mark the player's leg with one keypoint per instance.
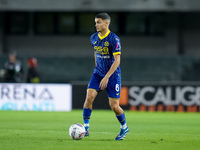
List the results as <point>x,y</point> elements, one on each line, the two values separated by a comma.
<point>87,108</point>
<point>114,104</point>
<point>93,87</point>
<point>113,90</point>
<point>90,96</point>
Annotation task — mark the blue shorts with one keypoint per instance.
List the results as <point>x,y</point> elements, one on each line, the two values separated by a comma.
<point>113,86</point>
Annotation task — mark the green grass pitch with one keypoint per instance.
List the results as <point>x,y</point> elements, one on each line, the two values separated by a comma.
<point>148,131</point>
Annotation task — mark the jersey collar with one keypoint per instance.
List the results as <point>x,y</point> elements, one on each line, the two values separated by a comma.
<point>105,35</point>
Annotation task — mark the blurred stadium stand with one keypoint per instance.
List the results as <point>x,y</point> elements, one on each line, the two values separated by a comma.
<point>160,69</point>
<point>160,38</point>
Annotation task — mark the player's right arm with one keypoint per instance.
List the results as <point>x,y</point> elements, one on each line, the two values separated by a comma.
<point>95,59</point>
<point>92,40</point>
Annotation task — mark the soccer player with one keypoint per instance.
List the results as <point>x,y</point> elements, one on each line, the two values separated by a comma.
<point>107,74</point>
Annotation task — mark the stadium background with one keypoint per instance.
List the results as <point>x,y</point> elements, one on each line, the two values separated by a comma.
<point>160,42</point>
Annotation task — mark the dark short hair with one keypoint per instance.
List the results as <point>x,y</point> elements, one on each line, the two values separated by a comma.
<point>103,16</point>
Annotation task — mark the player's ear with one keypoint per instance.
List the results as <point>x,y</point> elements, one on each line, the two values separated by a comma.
<point>107,23</point>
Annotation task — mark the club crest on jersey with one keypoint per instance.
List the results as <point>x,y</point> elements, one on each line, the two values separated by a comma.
<point>106,43</point>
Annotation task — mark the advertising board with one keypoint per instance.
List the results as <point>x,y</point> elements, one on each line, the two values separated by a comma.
<point>35,97</point>
<point>161,98</point>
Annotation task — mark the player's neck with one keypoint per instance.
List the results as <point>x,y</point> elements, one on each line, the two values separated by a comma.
<point>102,33</point>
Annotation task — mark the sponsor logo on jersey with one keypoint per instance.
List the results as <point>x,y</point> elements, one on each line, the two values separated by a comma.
<point>101,50</point>
<point>118,47</point>
<point>107,56</point>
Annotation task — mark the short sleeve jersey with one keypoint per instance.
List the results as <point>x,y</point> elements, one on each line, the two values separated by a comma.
<point>105,48</point>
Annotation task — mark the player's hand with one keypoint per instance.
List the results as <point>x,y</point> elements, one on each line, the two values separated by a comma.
<point>103,83</point>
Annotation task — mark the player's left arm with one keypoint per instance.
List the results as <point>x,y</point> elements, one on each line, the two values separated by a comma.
<point>116,63</point>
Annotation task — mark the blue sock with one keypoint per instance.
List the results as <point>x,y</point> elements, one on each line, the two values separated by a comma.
<point>86,116</point>
<point>122,120</point>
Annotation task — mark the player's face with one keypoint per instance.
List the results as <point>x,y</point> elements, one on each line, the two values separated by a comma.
<point>100,25</point>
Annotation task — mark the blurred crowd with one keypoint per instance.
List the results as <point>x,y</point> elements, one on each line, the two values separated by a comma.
<point>13,71</point>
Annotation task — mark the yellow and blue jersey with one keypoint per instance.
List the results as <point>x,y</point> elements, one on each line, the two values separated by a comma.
<point>105,48</point>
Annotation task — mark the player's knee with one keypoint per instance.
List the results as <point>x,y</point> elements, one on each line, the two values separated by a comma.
<point>90,99</point>
<point>114,107</point>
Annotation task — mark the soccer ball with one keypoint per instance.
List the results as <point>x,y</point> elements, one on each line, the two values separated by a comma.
<point>77,131</point>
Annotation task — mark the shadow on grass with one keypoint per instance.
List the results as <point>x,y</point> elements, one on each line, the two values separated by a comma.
<point>93,140</point>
